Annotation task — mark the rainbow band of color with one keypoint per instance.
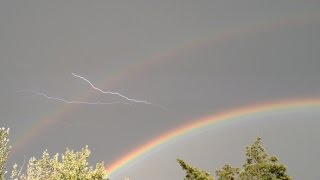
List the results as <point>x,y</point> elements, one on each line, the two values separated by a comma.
<point>201,123</point>
<point>215,38</point>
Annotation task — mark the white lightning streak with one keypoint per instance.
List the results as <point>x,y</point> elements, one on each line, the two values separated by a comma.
<point>92,103</point>
<point>24,161</point>
<point>116,93</point>
<point>109,92</point>
<point>68,101</point>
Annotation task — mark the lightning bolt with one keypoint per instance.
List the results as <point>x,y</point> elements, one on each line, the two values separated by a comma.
<point>68,101</point>
<point>130,101</point>
<point>24,161</point>
<point>118,94</point>
<point>109,92</point>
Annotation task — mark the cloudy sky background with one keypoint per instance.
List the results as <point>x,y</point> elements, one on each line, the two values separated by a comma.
<point>194,58</point>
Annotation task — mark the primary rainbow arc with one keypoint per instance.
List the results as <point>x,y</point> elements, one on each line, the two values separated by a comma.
<point>232,115</point>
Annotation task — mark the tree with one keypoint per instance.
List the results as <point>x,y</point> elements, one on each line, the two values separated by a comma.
<point>228,173</point>
<point>4,150</point>
<point>73,166</point>
<point>193,173</point>
<point>258,166</point>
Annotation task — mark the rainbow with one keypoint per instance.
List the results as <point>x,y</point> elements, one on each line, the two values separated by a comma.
<point>199,124</point>
<point>216,38</point>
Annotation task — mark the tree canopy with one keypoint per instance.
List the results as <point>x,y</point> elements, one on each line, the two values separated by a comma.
<point>74,166</point>
<point>71,165</point>
<point>193,172</point>
<point>4,150</point>
<point>258,166</point>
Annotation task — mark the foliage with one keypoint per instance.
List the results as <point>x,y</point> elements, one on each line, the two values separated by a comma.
<point>193,173</point>
<point>228,173</point>
<point>258,166</point>
<point>73,166</point>
<point>4,150</point>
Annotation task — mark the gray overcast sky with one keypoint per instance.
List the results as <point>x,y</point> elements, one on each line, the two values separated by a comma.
<point>196,58</point>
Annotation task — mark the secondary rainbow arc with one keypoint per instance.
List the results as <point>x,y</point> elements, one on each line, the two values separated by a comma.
<point>292,20</point>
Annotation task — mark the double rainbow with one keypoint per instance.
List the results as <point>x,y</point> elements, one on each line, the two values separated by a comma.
<point>216,38</point>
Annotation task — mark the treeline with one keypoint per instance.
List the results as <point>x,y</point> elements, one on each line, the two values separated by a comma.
<point>74,166</point>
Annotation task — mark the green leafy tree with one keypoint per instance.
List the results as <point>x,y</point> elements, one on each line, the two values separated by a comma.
<point>228,173</point>
<point>193,173</point>
<point>258,166</point>
<point>70,166</point>
<point>4,150</point>
<point>73,166</point>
